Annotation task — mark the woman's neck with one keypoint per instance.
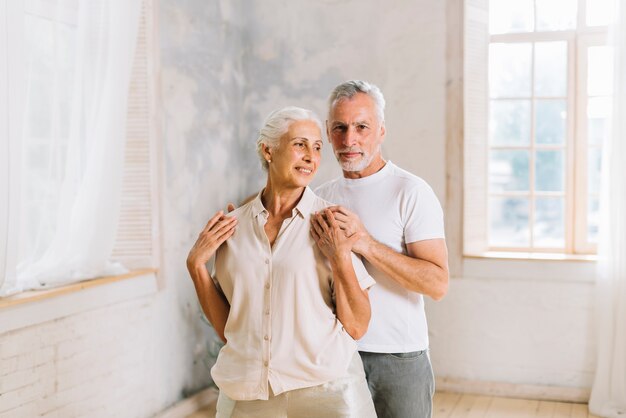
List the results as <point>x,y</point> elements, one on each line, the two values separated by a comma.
<point>280,201</point>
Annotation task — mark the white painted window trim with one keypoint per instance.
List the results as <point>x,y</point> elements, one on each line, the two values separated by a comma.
<point>73,302</point>
<point>462,137</point>
<point>472,233</point>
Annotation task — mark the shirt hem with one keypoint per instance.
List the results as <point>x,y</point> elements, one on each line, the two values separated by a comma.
<point>392,349</point>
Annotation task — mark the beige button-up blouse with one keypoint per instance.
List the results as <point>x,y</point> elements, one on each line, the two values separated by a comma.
<point>281,329</point>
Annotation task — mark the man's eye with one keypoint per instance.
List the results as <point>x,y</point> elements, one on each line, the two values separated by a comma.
<point>362,126</point>
<point>339,128</point>
<point>299,144</point>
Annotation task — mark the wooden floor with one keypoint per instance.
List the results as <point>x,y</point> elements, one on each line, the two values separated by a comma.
<point>456,405</point>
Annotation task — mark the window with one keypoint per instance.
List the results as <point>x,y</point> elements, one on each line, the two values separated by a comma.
<point>537,99</point>
<point>57,86</point>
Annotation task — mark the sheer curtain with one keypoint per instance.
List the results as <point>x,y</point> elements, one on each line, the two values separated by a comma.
<point>608,395</point>
<point>78,62</point>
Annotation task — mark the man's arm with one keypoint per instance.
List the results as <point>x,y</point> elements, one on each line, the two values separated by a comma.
<point>352,303</point>
<point>423,270</point>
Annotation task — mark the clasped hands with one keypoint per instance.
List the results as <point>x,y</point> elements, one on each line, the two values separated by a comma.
<point>337,230</point>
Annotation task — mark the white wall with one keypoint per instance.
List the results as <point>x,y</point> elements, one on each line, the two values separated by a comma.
<point>535,332</point>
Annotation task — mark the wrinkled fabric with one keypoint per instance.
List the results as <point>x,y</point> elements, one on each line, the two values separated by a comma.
<point>346,397</point>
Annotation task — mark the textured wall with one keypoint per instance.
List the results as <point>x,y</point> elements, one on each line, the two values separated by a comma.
<point>226,67</point>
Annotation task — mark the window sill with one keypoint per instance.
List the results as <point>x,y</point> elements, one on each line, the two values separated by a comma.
<point>510,255</point>
<point>530,266</point>
<point>35,307</point>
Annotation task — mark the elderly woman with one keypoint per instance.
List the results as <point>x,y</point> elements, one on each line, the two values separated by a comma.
<point>288,303</point>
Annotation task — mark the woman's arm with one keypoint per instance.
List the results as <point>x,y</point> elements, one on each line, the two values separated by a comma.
<point>213,302</point>
<point>352,302</point>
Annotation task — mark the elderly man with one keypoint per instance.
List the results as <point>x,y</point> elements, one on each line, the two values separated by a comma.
<point>399,223</point>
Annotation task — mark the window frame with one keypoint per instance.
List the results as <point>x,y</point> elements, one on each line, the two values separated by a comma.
<point>475,147</point>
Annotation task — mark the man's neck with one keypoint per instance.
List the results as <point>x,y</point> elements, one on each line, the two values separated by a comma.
<point>375,166</point>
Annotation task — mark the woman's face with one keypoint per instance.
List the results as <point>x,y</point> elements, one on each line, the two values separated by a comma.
<point>294,162</point>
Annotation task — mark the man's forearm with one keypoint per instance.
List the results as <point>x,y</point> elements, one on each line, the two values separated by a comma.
<point>213,303</point>
<point>352,302</point>
<point>415,274</point>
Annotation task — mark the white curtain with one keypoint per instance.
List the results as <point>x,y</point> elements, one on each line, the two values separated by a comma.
<point>608,395</point>
<point>78,65</point>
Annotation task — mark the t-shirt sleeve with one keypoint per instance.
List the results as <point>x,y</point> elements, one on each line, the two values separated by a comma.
<point>365,280</point>
<point>423,215</point>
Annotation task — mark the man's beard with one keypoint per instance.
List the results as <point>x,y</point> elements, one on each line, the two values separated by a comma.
<point>358,165</point>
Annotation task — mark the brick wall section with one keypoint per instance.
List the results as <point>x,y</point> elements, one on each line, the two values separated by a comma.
<point>94,364</point>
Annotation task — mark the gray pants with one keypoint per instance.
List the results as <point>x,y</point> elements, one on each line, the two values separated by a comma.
<point>402,384</point>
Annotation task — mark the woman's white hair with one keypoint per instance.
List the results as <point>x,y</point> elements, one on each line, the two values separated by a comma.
<point>277,124</point>
<point>348,89</point>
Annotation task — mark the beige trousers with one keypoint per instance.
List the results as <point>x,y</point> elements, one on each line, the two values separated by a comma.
<point>346,397</point>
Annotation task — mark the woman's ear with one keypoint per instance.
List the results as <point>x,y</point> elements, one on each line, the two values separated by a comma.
<point>267,153</point>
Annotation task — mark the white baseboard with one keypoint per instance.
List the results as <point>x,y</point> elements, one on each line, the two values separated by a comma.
<point>190,405</point>
<point>512,390</point>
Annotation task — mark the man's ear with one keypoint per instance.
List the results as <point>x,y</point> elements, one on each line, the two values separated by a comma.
<point>328,131</point>
<point>382,131</point>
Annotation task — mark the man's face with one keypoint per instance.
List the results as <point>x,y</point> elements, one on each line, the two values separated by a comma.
<point>356,134</point>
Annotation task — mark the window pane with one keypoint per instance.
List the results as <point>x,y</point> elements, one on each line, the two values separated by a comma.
<point>509,122</point>
<point>510,16</point>
<point>598,111</point>
<point>508,170</point>
<point>556,14</point>
<point>551,69</point>
<point>599,12</point>
<point>549,171</point>
<point>549,228</point>
<point>550,121</point>
<point>593,219</point>
<point>508,222</point>
<point>594,166</point>
<point>600,71</point>
<point>509,70</point>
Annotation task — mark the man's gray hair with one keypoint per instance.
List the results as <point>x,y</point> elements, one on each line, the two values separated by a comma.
<point>277,124</point>
<point>348,89</point>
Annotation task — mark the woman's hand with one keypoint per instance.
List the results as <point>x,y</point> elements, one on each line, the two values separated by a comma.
<point>217,230</point>
<point>329,237</point>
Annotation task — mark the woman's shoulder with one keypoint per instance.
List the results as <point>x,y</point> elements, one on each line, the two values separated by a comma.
<point>320,203</point>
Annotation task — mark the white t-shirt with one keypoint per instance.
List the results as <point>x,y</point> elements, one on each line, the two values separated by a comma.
<point>397,208</point>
